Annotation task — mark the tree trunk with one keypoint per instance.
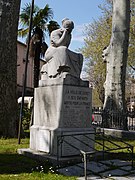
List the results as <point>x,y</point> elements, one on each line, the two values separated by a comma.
<point>115,56</point>
<point>9,14</point>
<point>37,63</point>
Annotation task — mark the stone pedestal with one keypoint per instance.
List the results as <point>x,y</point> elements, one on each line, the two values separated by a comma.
<point>62,118</point>
<point>61,142</point>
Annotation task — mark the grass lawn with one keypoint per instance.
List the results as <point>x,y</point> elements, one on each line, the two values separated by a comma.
<point>17,167</point>
<point>117,148</point>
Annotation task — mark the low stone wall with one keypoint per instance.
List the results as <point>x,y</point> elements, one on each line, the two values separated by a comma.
<point>118,133</point>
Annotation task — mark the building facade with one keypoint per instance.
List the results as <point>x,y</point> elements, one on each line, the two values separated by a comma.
<point>21,61</point>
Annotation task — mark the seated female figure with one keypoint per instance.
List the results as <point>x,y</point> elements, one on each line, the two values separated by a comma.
<point>59,59</point>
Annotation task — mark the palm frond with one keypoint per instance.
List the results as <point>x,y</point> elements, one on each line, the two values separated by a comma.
<point>24,16</point>
<point>23,32</point>
<point>24,19</point>
<point>27,9</point>
<point>42,16</point>
<point>53,25</point>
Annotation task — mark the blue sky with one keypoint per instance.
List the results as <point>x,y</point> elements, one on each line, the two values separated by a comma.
<point>81,12</point>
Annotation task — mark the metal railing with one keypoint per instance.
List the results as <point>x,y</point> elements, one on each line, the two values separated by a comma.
<point>103,145</point>
<point>106,143</point>
<point>69,138</point>
<point>115,119</point>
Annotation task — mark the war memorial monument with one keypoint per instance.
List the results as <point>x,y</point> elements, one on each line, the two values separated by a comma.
<point>63,101</point>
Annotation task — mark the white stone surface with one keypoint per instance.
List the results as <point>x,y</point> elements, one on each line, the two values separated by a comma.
<point>40,139</point>
<point>62,110</point>
<point>59,59</point>
<point>46,140</point>
<point>62,106</point>
<point>68,80</point>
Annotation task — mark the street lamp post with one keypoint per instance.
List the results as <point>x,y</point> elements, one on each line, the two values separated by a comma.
<point>25,73</point>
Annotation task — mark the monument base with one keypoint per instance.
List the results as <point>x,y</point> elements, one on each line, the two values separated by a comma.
<point>54,160</point>
<point>61,142</point>
<point>62,118</point>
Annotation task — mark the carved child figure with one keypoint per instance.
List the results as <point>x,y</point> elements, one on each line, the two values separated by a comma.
<point>59,59</point>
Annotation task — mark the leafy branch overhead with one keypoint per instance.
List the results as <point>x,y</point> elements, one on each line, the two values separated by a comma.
<point>42,23</point>
<point>97,37</point>
<point>42,18</point>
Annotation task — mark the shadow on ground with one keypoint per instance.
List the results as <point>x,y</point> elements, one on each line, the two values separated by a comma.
<point>15,164</point>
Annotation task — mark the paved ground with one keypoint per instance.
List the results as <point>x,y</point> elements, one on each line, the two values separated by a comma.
<point>102,170</point>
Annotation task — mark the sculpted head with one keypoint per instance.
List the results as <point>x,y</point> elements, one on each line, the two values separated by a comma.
<point>68,24</point>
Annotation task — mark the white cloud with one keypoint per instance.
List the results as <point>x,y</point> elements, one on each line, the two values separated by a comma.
<point>78,38</point>
<point>78,33</point>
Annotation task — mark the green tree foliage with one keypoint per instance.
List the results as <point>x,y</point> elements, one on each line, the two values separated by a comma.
<point>42,18</point>
<point>26,118</point>
<point>97,37</point>
<point>41,23</point>
<point>131,49</point>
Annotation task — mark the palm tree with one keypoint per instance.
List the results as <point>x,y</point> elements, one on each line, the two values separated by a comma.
<point>42,23</point>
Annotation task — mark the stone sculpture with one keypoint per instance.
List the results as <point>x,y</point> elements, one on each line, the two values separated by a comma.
<point>61,61</point>
<point>62,102</point>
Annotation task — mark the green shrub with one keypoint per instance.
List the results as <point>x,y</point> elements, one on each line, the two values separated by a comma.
<point>26,118</point>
